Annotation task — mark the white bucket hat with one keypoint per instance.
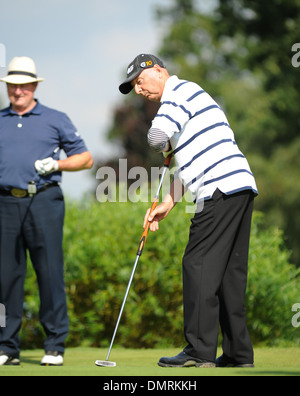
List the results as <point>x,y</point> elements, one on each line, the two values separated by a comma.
<point>21,70</point>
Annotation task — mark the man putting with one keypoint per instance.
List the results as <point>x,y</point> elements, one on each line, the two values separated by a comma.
<point>210,165</point>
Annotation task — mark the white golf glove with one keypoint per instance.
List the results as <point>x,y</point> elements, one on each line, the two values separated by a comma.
<point>46,166</point>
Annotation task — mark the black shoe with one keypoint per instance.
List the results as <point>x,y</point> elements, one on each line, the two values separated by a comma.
<point>224,361</point>
<point>9,360</point>
<point>184,360</point>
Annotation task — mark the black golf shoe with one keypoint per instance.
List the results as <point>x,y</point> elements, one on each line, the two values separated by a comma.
<point>224,361</point>
<point>184,360</point>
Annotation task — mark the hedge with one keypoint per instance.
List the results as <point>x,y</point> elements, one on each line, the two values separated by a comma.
<point>100,244</point>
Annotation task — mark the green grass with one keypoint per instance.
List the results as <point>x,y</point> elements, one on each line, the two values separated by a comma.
<point>80,362</point>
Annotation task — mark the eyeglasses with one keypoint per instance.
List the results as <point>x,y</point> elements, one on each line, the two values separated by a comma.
<point>22,87</point>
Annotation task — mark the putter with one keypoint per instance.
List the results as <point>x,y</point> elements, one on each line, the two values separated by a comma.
<point>107,363</point>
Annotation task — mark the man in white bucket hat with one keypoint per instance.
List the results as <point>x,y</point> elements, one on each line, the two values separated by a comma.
<point>32,208</point>
<point>21,82</point>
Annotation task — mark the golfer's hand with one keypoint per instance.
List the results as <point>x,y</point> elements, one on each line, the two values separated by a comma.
<point>46,166</point>
<point>158,214</point>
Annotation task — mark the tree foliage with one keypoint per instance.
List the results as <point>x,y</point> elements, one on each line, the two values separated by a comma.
<point>132,121</point>
<point>265,33</point>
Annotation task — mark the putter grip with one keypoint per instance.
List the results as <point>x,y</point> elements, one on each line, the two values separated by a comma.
<point>168,160</point>
<point>145,233</point>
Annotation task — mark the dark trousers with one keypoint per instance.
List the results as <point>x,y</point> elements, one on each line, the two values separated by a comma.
<point>215,267</point>
<point>34,225</point>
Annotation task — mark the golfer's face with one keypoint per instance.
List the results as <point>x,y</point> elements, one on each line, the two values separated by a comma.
<point>21,95</point>
<point>148,84</point>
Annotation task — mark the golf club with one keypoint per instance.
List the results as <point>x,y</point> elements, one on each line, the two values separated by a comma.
<point>107,363</point>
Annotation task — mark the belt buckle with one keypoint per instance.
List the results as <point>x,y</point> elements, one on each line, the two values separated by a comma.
<point>18,193</point>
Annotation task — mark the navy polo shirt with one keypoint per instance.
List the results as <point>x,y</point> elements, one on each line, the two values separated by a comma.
<point>34,136</point>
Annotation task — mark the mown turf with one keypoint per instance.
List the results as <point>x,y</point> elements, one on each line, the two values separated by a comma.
<point>139,363</point>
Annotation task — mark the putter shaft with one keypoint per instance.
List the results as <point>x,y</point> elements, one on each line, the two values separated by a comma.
<point>140,251</point>
<point>123,305</point>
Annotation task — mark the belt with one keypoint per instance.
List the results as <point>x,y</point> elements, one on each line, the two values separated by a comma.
<point>19,193</point>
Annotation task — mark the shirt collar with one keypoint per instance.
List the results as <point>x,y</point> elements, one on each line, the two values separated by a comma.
<point>169,86</point>
<point>37,110</point>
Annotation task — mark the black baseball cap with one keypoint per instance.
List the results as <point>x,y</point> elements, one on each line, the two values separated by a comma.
<point>140,63</point>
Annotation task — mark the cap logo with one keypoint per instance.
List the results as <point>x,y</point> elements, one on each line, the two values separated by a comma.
<point>146,64</point>
<point>130,69</point>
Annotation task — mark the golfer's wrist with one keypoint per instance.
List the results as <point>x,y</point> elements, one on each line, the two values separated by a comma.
<point>169,202</point>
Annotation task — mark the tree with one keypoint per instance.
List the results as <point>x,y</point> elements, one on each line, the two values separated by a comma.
<point>131,123</point>
<point>266,33</point>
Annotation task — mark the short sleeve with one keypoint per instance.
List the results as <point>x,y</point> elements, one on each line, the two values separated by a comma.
<point>70,140</point>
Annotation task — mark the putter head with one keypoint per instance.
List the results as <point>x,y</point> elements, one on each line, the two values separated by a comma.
<point>105,363</point>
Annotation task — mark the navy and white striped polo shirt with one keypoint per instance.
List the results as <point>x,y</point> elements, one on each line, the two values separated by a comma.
<point>206,154</point>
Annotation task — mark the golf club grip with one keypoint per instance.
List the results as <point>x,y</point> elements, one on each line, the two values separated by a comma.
<point>168,160</point>
<point>145,233</point>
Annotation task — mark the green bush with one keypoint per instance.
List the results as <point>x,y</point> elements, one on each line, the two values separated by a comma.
<point>273,287</point>
<point>101,242</point>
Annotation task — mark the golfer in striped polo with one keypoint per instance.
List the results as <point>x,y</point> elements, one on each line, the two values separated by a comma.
<point>210,165</point>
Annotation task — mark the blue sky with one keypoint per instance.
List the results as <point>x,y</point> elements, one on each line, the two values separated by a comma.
<point>82,49</point>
